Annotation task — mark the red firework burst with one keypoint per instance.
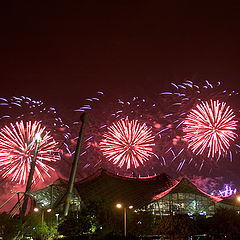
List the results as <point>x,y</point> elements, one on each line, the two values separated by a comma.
<point>210,128</point>
<point>17,145</point>
<point>127,142</point>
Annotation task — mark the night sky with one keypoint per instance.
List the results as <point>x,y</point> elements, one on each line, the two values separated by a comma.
<point>62,52</point>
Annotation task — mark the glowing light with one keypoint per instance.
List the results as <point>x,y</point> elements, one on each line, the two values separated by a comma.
<point>36,209</point>
<point>118,205</point>
<point>228,191</point>
<point>210,128</point>
<point>127,142</point>
<point>38,137</point>
<point>17,146</point>
<point>238,198</point>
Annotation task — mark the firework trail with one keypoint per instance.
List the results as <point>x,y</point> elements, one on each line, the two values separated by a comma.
<point>25,110</point>
<point>181,103</point>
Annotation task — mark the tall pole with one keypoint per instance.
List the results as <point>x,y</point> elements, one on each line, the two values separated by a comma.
<point>19,203</point>
<point>125,221</point>
<point>84,119</point>
<point>30,177</point>
<point>42,222</point>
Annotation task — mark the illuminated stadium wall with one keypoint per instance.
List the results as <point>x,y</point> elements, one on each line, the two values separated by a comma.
<point>188,203</point>
<point>186,198</point>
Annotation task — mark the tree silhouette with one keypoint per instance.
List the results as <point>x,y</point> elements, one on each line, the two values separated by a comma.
<point>226,224</point>
<point>173,226</point>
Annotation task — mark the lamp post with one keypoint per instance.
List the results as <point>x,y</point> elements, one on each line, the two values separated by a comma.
<point>57,216</point>
<point>42,217</point>
<point>125,221</point>
<point>119,205</point>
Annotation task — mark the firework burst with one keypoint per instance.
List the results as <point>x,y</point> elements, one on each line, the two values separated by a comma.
<point>210,128</point>
<point>24,109</point>
<point>184,147</point>
<point>27,109</point>
<point>128,143</point>
<point>17,146</point>
<point>104,114</point>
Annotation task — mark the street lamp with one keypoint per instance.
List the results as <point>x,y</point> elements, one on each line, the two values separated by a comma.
<point>36,209</point>
<point>119,205</point>
<point>237,203</point>
<point>57,216</point>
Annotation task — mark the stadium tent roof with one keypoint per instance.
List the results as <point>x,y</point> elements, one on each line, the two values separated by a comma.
<point>186,186</point>
<point>107,186</point>
<point>131,190</point>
